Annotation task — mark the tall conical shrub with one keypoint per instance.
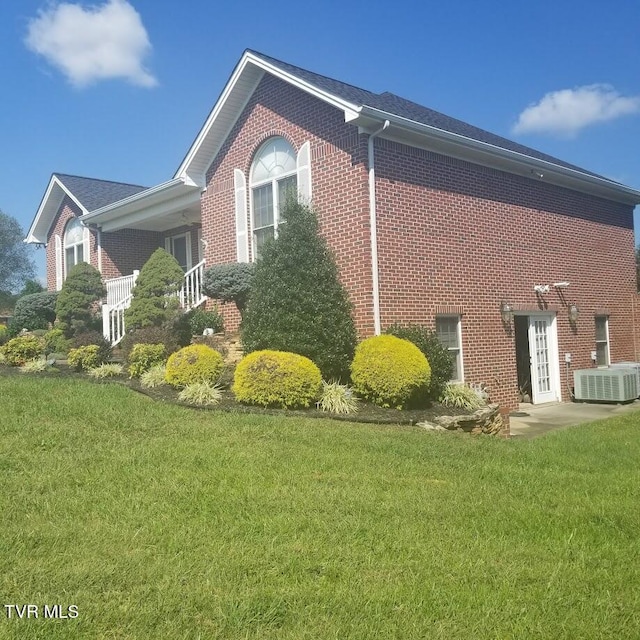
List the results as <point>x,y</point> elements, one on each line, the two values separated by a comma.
<point>154,301</point>
<point>297,301</point>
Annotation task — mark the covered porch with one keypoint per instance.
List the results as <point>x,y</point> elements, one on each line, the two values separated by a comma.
<point>166,216</point>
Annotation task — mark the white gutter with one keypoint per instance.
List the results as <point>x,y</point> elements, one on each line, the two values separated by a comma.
<point>131,201</point>
<point>374,231</point>
<point>630,194</point>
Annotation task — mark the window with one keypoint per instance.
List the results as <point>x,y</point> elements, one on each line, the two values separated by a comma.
<point>602,341</point>
<point>73,244</point>
<point>273,176</point>
<point>449,333</point>
<point>179,247</point>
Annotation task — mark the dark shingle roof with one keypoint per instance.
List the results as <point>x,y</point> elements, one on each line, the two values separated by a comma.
<point>397,106</point>
<point>94,194</point>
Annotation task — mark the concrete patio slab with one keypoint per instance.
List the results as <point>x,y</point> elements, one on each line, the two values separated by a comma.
<point>534,420</point>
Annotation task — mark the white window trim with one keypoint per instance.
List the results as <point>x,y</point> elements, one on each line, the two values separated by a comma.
<point>458,319</point>
<point>187,236</point>
<point>608,339</point>
<point>274,194</point>
<point>84,243</point>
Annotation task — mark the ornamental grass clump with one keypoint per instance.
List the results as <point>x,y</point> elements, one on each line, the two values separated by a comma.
<point>390,372</point>
<point>459,396</point>
<point>195,363</point>
<point>155,377</point>
<point>107,370</point>
<point>277,379</point>
<point>337,398</point>
<point>202,394</point>
<point>37,365</point>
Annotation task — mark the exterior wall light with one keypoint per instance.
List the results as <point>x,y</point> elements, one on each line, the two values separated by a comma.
<point>506,312</point>
<point>574,312</point>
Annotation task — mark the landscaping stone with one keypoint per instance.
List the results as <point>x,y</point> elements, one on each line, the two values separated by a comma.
<point>487,420</point>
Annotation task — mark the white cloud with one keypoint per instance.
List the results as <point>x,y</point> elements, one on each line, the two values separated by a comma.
<point>92,43</point>
<point>568,111</point>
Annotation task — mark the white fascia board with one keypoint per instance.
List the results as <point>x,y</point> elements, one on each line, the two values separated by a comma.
<point>474,150</point>
<point>161,194</point>
<point>49,205</point>
<point>157,210</point>
<point>233,86</point>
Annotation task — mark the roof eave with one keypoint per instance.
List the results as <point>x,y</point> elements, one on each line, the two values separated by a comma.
<point>494,156</point>
<point>152,197</point>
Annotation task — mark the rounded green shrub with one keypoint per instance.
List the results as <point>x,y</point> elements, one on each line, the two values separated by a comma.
<point>144,356</point>
<point>4,334</point>
<point>390,372</point>
<point>199,320</point>
<point>277,379</point>
<point>33,311</point>
<point>195,363</point>
<point>22,349</point>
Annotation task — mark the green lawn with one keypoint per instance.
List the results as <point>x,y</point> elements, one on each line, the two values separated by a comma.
<point>163,522</point>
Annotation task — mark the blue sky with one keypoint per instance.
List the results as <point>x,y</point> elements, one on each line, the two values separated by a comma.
<point>118,89</point>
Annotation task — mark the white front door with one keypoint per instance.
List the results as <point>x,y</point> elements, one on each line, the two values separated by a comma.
<point>543,350</point>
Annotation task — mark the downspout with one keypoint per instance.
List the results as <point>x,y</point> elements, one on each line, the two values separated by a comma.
<point>374,231</point>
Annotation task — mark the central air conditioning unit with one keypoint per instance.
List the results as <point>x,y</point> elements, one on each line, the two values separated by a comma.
<point>628,365</point>
<point>606,385</point>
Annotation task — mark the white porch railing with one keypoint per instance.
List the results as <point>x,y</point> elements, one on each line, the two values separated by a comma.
<point>119,294</point>
<point>113,320</point>
<point>190,293</point>
<point>119,288</point>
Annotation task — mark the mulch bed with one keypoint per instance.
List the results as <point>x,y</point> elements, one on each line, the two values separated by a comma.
<point>367,413</point>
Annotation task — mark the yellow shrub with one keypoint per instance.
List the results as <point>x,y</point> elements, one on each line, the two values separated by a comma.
<point>195,363</point>
<point>277,379</point>
<point>22,349</point>
<point>390,372</point>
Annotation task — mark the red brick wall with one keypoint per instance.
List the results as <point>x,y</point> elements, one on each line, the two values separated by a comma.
<point>453,238</point>
<point>126,250</point>
<point>339,183</point>
<point>456,237</point>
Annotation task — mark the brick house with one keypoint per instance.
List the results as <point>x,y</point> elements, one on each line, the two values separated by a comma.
<point>515,258</point>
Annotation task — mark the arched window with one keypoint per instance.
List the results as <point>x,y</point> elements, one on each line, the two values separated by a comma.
<point>73,244</point>
<point>273,175</point>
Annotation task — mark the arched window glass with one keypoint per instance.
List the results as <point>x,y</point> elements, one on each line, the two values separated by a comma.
<point>73,244</point>
<point>273,176</point>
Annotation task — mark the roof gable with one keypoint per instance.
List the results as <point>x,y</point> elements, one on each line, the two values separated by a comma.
<point>88,194</point>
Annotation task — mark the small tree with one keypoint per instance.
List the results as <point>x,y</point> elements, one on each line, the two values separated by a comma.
<point>154,302</point>
<point>75,307</point>
<point>16,262</point>
<point>297,302</point>
<point>230,283</point>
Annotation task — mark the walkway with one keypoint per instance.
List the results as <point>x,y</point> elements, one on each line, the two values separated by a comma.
<point>534,420</point>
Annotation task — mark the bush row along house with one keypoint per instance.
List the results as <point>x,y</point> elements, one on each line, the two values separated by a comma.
<point>515,258</point>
